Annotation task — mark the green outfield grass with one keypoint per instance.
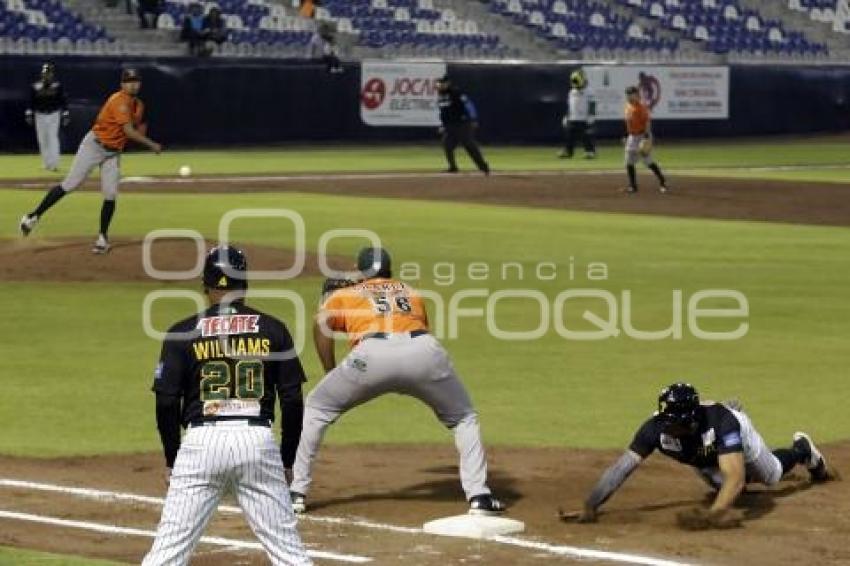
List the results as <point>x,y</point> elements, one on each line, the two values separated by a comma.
<point>673,155</point>
<point>78,366</point>
<point>16,557</point>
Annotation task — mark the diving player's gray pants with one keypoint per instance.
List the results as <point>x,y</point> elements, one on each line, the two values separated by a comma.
<point>47,132</point>
<point>211,460</point>
<point>418,367</point>
<point>762,466</point>
<point>90,154</point>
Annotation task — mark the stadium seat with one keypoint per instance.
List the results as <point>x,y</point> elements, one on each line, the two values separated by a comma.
<point>165,21</point>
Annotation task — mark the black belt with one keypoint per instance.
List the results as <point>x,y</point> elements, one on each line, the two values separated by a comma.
<point>106,147</point>
<point>385,335</point>
<point>251,422</point>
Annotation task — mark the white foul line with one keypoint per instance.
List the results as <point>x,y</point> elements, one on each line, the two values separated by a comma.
<point>217,541</point>
<point>577,552</point>
<point>559,550</point>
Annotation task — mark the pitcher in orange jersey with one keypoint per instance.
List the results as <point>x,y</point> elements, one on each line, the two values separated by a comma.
<point>392,352</point>
<point>639,141</point>
<point>118,121</point>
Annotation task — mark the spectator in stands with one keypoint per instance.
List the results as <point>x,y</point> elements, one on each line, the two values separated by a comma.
<point>308,8</point>
<point>215,28</point>
<point>193,31</point>
<point>149,11</point>
<point>323,46</point>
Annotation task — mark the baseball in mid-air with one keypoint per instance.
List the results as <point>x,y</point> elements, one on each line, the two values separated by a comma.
<point>185,171</point>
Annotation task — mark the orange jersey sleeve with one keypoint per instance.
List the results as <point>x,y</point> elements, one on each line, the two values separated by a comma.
<point>120,109</point>
<point>376,305</point>
<point>637,118</point>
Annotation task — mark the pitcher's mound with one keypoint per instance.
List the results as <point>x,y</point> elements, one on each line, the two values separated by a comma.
<point>70,259</point>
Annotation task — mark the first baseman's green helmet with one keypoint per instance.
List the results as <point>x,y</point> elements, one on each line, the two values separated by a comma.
<point>374,262</point>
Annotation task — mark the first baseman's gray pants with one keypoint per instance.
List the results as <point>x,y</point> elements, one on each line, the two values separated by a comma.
<point>762,466</point>
<point>418,367</point>
<point>90,154</point>
<point>47,132</point>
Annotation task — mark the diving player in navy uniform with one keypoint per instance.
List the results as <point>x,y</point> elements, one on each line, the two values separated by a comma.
<point>718,440</point>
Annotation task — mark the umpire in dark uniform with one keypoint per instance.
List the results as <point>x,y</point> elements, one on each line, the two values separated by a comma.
<point>460,120</point>
<point>48,109</point>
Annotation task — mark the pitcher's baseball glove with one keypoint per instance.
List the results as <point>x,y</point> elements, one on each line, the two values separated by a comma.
<point>330,285</point>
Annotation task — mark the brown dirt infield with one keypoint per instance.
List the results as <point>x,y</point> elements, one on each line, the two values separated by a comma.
<point>70,259</point>
<point>692,197</point>
<point>794,523</point>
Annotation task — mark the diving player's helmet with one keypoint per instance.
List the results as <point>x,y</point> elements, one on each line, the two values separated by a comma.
<point>678,406</point>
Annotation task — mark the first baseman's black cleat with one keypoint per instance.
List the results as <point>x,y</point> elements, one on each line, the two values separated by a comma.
<point>486,505</point>
<point>28,222</point>
<point>629,190</point>
<point>451,170</point>
<point>814,460</point>
<point>299,502</point>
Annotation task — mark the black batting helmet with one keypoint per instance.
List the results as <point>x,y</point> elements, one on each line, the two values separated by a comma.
<point>225,269</point>
<point>678,406</point>
<point>374,262</point>
<point>631,90</point>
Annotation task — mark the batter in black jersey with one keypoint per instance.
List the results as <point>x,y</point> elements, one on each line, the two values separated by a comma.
<point>459,119</point>
<point>227,368</point>
<point>219,375</point>
<point>719,440</point>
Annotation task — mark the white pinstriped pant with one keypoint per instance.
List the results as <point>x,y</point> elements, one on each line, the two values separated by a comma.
<point>211,460</point>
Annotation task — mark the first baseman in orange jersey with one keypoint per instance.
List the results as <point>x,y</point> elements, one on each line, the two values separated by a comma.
<point>392,352</point>
<point>119,120</point>
<point>639,140</point>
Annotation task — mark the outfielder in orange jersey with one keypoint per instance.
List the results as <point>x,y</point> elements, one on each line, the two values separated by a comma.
<point>118,121</point>
<point>392,352</point>
<point>639,141</point>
